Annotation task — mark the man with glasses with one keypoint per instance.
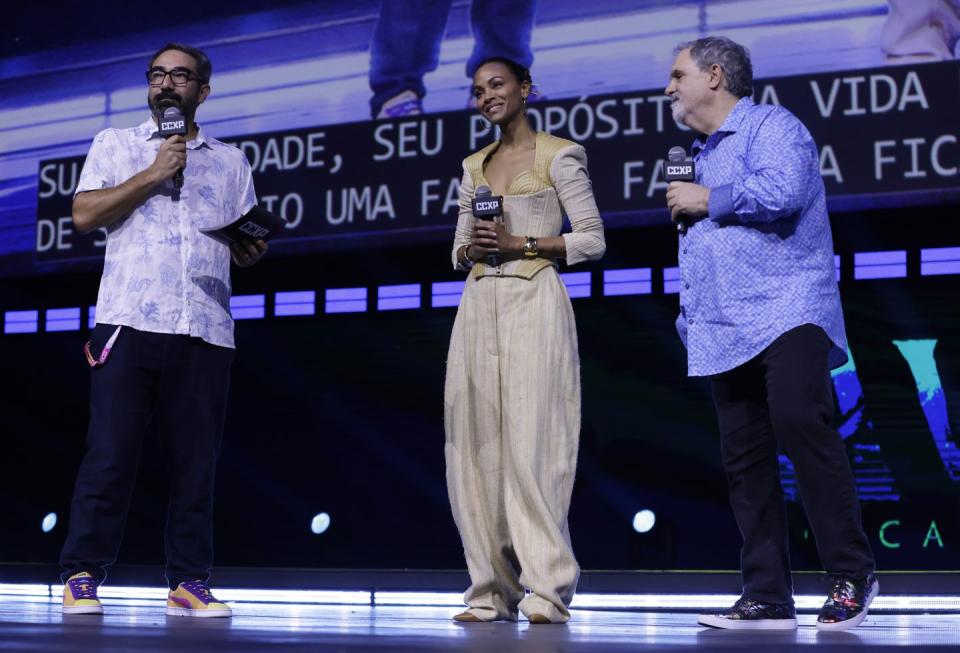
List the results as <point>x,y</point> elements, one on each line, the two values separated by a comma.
<point>162,347</point>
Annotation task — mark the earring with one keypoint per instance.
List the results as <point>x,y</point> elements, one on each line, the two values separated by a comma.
<point>523,103</point>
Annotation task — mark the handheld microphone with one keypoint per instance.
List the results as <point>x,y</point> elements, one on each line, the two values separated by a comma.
<point>678,167</point>
<point>173,123</point>
<point>487,206</point>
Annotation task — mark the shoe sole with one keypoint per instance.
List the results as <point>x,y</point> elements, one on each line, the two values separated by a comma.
<point>746,624</point>
<point>854,621</point>
<point>83,609</point>
<point>187,612</point>
<point>537,618</point>
<point>470,618</point>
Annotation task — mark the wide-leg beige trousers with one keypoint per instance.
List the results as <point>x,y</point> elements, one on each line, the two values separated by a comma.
<point>512,418</point>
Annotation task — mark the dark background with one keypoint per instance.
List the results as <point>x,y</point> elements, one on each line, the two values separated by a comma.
<point>343,414</point>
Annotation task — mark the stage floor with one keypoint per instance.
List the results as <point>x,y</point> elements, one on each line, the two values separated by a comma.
<point>142,626</point>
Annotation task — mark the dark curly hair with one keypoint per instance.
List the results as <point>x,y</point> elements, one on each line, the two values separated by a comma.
<point>204,67</point>
<point>521,72</point>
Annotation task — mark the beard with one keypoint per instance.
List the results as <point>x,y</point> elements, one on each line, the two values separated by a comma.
<point>188,105</point>
<point>679,113</point>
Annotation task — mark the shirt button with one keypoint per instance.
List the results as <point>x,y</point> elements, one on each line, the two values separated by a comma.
<point>684,250</point>
<point>687,286</point>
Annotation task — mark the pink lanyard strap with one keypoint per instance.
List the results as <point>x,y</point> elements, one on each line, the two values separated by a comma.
<point>94,362</point>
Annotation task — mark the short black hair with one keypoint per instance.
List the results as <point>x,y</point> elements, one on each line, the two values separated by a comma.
<point>204,67</point>
<point>521,72</point>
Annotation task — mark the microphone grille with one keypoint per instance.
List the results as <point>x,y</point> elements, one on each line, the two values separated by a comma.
<point>676,154</point>
<point>172,113</point>
<point>483,191</point>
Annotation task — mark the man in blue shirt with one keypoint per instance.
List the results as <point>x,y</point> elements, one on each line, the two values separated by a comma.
<point>760,316</point>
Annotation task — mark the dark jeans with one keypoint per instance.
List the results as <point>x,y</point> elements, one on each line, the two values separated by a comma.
<point>784,398</point>
<point>406,41</point>
<point>182,383</point>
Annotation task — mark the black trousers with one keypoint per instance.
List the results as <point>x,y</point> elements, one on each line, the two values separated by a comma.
<point>182,383</point>
<point>784,398</point>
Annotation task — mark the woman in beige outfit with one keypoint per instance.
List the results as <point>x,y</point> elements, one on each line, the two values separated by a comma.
<point>512,396</point>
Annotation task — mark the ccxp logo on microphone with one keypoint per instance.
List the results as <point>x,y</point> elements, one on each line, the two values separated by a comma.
<point>487,205</point>
<point>171,125</point>
<point>679,170</point>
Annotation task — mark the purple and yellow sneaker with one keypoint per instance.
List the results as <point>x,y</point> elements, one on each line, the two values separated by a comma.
<point>80,595</point>
<point>193,598</point>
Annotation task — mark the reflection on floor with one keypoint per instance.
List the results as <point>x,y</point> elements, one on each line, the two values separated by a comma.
<point>36,624</point>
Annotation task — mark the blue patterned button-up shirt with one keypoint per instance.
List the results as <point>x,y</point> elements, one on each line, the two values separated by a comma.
<point>762,262</point>
<point>160,274</point>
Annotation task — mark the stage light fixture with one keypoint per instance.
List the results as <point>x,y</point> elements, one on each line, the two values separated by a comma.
<point>320,523</point>
<point>644,521</point>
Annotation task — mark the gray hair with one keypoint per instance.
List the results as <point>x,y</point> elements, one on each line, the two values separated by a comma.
<point>733,59</point>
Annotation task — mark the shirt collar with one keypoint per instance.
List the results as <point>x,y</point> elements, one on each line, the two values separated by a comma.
<point>148,129</point>
<point>730,125</point>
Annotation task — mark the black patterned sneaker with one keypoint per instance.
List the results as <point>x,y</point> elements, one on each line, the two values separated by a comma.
<point>747,614</point>
<point>848,602</point>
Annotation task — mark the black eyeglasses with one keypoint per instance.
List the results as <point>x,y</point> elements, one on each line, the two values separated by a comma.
<point>179,76</point>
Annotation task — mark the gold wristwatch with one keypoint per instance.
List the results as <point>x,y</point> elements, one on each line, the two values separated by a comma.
<point>530,248</point>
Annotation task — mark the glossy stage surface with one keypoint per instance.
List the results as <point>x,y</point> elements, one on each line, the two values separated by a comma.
<point>36,624</point>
